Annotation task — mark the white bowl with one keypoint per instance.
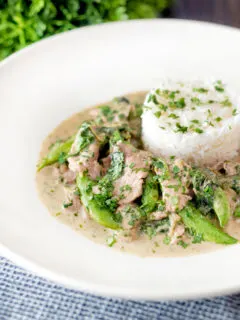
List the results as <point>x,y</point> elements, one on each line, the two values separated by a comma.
<point>47,82</point>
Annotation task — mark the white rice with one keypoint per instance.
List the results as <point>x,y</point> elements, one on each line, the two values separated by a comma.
<point>212,129</point>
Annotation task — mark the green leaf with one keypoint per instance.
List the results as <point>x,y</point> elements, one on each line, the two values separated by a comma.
<point>35,7</point>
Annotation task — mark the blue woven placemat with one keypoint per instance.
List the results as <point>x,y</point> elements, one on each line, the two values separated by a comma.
<point>24,296</point>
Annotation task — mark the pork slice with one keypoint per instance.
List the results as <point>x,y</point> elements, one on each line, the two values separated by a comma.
<point>231,167</point>
<point>158,215</point>
<point>178,233</point>
<point>176,190</point>
<point>87,160</point>
<point>137,163</point>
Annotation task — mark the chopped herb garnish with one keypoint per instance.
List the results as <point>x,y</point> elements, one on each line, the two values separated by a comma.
<point>166,240</point>
<point>158,114</point>
<point>198,238</point>
<point>234,113</point>
<point>162,128</point>
<point>200,90</point>
<point>196,100</point>
<point>154,99</point>
<point>211,101</point>
<point>181,128</point>
<point>172,157</point>
<point>182,244</point>
<point>66,205</point>
<point>58,214</point>
<point>75,214</point>
<point>106,110</point>
<point>176,170</point>
<point>180,104</point>
<point>219,88</point>
<point>173,116</point>
<point>218,119</point>
<point>198,130</point>
<point>163,107</point>
<point>226,103</point>
<point>209,113</point>
<point>195,121</point>
<point>127,187</point>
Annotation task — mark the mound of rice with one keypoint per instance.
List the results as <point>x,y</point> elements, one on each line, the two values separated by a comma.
<point>196,121</point>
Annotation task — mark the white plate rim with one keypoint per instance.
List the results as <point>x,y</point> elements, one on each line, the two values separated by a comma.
<point>89,287</point>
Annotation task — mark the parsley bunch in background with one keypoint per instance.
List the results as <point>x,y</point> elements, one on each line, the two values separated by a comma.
<point>25,21</point>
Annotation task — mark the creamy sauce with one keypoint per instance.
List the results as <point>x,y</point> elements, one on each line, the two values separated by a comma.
<point>52,195</point>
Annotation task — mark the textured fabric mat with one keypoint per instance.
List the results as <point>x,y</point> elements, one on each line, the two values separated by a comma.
<point>24,296</point>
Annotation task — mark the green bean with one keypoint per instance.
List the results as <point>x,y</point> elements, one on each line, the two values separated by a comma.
<point>57,150</point>
<point>195,221</point>
<point>150,194</point>
<point>221,206</point>
<point>97,212</point>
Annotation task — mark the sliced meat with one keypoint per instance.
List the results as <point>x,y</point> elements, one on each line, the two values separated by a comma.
<point>178,233</point>
<point>176,229</point>
<point>137,163</point>
<point>69,176</point>
<point>87,161</point>
<point>158,215</point>
<point>175,188</point>
<point>231,167</point>
<point>64,173</point>
<point>174,219</point>
<point>72,202</point>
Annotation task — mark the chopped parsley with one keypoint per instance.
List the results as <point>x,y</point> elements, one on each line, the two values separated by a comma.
<point>166,240</point>
<point>176,170</point>
<point>197,238</point>
<point>180,104</point>
<point>234,113</point>
<point>163,107</point>
<point>158,114</point>
<point>198,130</point>
<point>195,121</point>
<point>58,214</point>
<point>196,101</point>
<point>182,244</point>
<point>200,90</point>
<point>66,205</point>
<point>181,128</point>
<point>173,116</point>
<point>218,119</point>
<point>219,86</point>
<point>226,103</point>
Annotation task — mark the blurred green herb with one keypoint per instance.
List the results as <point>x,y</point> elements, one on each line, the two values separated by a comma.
<point>25,21</point>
